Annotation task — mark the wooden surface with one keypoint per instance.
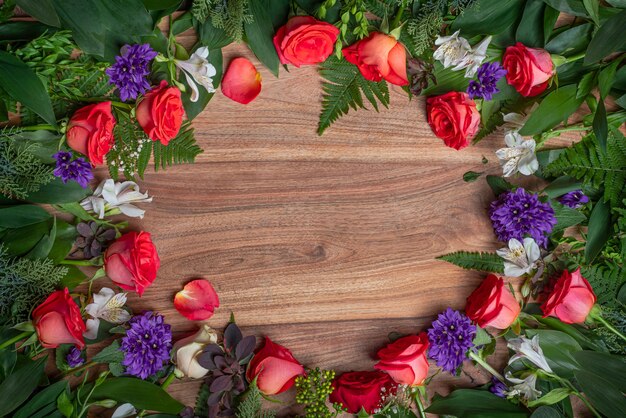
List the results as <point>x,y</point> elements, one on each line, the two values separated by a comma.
<point>325,244</point>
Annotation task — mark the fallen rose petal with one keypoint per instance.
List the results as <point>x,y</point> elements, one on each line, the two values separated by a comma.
<point>197,300</point>
<point>242,82</point>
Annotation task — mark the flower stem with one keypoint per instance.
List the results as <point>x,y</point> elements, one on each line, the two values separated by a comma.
<point>168,380</point>
<point>486,366</point>
<point>15,339</point>
<point>39,128</point>
<point>396,20</point>
<point>80,369</point>
<point>574,58</point>
<point>420,404</point>
<point>76,262</point>
<point>579,395</point>
<point>609,326</point>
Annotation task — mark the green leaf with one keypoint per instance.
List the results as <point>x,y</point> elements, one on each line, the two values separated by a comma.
<point>606,77</point>
<point>608,39</point>
<point>601,124</point>
<point>571,41</point>
<point>599,230</point>
<point>447,80</point>
<point>64,405</point>
<point>561,186</point>
<point>73,277</point>
<point>210,36</point>
<point>499,185</point>
<point>110,354</point>
<point>259,34</point>
<point>43,399</point>
<point>22,215</point>
<point>58,192</point>
<point>488,17</point>
<point>587,83</point>
<point>182,23</point>
<point>607,366</point>
<point>142,394</point>
<point>571,7</point>
<point>475,261</point>
<point>18,386</point>
<point>558,349</point>
<point>555,108</point>
<point>472,403</point>
<point>546,412</point>
<point>65,237</point>
<point>530,29</point>
<point>605,397</point>
<point>22,84</point>
<point>43,247</point>
<point>566,217</point>
<point>550,398</point>
<point>19,241</point>
<point>42,10</point>
<point>549,20</point>
<point>593,9</point>
<point>471,176</point>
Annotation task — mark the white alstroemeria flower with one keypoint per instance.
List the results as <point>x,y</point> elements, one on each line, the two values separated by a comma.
<point>518,156</point>
<point>520,259</point>
<point>514,121</point>
<point>476,57</point>
<point>452,50</point>
<point>106,305</point>
<point>111,195</point>
<point>530,350</point>
<point>525,388</point>
<point>198,70</point>
<point>125,410</point>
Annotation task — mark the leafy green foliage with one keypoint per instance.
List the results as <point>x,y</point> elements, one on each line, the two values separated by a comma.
<point>180,150</point>
<point>605,280</point>
<point>25,283</point>
<point>21,172</point>
<point>475,261</point>
<point>617,318</point>
<point>344,87</point>
<point>202,406</point>
<point>597,168</point>
<point>251,406</point>
<point>229,15</point>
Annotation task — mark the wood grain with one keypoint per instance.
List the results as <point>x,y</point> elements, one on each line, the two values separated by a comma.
<point>325,244</point>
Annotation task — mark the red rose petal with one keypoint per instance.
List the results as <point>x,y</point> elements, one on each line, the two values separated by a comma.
<point>197,300</point>
<point>242,82</point>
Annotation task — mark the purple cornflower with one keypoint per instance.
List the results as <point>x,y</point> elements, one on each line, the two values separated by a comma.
<point>131,69</point>
<point>484,87</point>
<point>518,213</point>
<point>147,345</point>
<point>450,338</point>
<point>498,388</point>
<point>574,199</point>
<point>78,169</point>
<point>74,358</point>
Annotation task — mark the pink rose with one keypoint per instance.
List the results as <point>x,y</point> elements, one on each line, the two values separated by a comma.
<point>274,367</point>
<point>528,70</point>
<point>405,359</point>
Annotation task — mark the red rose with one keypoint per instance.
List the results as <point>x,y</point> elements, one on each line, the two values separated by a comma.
<point>527,69</point>
<point>492,305</point>
<point>90,131</point>
<point>571,300</point>
<point>274,367</point>
<point>160,113</point>
<point>305,40</point>
<point>58,321</point>
<point>132,261</point>
<point>454,118</point>
<point>379,56</point>
<point>405,359</point>
<point>356,390</point>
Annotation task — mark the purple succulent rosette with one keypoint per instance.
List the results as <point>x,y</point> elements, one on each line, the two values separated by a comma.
<point>451,337</point>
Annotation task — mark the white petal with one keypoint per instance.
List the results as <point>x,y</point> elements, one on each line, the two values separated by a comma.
<point>124,411</point>
<point>132,211</point>
<point>532,250</point>
<point>92,326</point>
<point>512,270</point>
<point>194,88</point>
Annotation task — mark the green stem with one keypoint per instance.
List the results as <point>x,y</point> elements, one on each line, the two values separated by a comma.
<point>609,326</point>
<point>80,369</point>
<point>15,339</point>
<point>420,404</point>
<point>579,395</point>
<point>39,128</point>
<point>396,20</point>
<point>486,366</point>
<point>76,262</point>
<point>574,58</point>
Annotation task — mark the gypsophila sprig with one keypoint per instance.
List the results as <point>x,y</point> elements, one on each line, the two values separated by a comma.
<point>131,70</point>
<point>312,391</point>
<point>147,345</point>
<point>451,337</point>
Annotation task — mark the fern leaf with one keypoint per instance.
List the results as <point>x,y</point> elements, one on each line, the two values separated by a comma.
<point>251,405</point>
<point>202,407</point>
<point>180,150</point>
<point>605,280</point>
<point>343,88</point>
<point>21,172</point>
<point>475,261</point>
<point>489,126</point>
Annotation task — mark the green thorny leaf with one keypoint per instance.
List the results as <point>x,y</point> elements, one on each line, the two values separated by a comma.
<point>21,172</point>
<point>475,261</point>
<point>251,405</point>
<point>597,168</point>
<point>343,88</point>
<point>229,15</point>
<point>25,283</point>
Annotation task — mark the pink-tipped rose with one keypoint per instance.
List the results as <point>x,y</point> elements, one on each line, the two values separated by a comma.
<point>90,131</point>
<point>405,359</point>
<point>274,367</point>
<point>197,301</point>
<point>492,304</point>
<point>528,70</point>
<point>305,40</point>
<point>571,300</point>
<point>378,57</point>
<point>58,321</point>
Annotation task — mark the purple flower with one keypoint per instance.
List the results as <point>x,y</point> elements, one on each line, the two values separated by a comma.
<point>517,214</point>
<point>487,77</point>
<point>131,69</point>
<point>450,338</point>
<point>574,199</point>
<point>78,169</point>
<point>498,388</point>
<point>147,345</point>
<point>74,358</point>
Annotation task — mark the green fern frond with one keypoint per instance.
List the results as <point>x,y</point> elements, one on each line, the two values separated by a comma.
<point>598,168</point>
<point>251,404</point>
<point>343,88</point>
<point>202,407</point>
<point>605,280</point>
<point>180,150</point>
<point>489,262</point>
<point>21,172</point>
<point>229,15</point>
<point>489,127</point>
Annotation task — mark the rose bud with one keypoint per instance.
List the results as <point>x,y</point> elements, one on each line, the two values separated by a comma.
<point>378,57</point>
<point>132,261</point>
<point>405,359</point>
<point>241,82</point>
<point>453,117</point>
<point>571,300</point>
<point>356,390</point>
<point>187,350</point>
<point>90,131</point>
<point>492,304</point>
<point>58,321</point>
<point>305,40</point>
<point>160,113</point>
<point>197,301</point>
<point>274,367</point>
<point>528,70</point>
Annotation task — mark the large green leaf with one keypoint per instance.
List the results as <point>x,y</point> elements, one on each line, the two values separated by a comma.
<point>447,80</point>
<point>599,230</point>
<point>546,412</point>
<point>23,85</point>
<point>43,247</point>
<point>18,386</point>
<point>22,215</point>
<point>530,29</point>
<point>571,7</point>
<point>472,403</point>
<point>42,10</point>
<point>58,192</point>
<point>609,366</point>
<point>552,110</point>
<point>142,394</point>
<point>571,41</point>
<point>259,34</point>
<point>608,39</point>
<point>43,399</point>
<point>488,17</point>
<point>566,217</point>
<point>605,397</point>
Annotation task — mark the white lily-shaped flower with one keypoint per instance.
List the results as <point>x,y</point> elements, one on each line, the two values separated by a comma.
<point>519,258</point>
<point>476,56</point>
<point>198,70</point>
<point>525,388</point>
<point>530,350</point>
<point>125,410</point>
<point>106,305</point>
<point>452,50</point>
<point>111,195</point>
<point>514,121</point>
<point>518,156</point>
